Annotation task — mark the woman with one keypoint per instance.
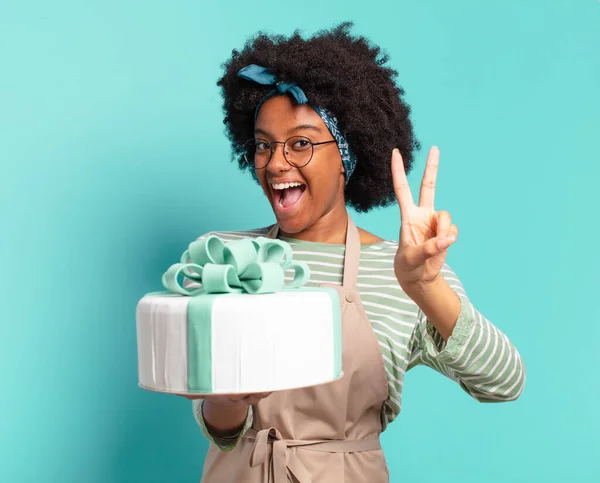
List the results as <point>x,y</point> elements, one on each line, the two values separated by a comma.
<point>316,121</point>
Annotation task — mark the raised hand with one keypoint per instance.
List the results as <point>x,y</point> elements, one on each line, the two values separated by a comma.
<point>425,234</point>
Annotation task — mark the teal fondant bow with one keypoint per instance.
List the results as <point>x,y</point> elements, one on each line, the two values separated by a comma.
<point>247,265</point>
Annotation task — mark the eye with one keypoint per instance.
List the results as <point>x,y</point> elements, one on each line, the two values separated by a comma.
<point>301,144</point>
<point>262,145</point>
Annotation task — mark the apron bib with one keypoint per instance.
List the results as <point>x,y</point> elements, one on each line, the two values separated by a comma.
<point>323,434</point>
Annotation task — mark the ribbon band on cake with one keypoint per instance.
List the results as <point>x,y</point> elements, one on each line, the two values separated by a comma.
<point>241,266</point>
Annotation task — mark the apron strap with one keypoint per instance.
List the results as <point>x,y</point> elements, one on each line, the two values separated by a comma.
<point>351,256</point>
<point>269,445</point>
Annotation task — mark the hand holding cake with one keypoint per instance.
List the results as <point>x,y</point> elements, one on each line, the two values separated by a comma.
<point>226,413</point>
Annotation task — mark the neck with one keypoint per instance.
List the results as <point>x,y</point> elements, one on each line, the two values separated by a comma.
<point>330,228</point>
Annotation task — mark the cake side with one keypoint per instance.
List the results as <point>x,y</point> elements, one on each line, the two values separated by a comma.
<point>161,325</point>
<point>280,340</point>
<point>232,343</point>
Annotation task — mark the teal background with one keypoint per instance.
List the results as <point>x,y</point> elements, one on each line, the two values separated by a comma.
<point>113,158</point>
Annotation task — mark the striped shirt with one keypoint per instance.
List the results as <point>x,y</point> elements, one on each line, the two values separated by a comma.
<point>478,356</point>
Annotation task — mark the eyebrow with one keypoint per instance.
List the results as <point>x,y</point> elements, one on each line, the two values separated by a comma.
<point>301,127</point>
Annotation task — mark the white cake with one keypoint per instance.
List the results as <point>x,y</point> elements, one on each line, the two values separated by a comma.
<point>194,341</point>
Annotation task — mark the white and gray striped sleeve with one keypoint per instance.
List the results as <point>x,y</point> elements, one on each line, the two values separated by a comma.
<point>477,355</point>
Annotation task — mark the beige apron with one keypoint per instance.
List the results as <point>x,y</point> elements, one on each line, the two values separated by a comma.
<point>323,434</point>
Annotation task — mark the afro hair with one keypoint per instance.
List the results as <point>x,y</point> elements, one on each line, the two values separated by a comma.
<point>340,72</point>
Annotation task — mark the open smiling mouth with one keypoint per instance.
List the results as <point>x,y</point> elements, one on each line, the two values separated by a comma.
<point>286,195</point>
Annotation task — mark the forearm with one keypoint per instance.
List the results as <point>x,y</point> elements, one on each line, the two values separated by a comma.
<point>440,304</point>
<point>477,355</point>
<point>222,420</point>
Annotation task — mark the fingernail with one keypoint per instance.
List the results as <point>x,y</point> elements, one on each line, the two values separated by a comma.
<point>446,242</point>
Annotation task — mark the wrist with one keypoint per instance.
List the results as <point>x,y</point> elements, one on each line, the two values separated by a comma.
<point>419,289</point>
<point>438,302</point>
<point>224,419</point>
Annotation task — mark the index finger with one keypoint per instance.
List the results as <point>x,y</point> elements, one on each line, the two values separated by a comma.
<point>401,187</point>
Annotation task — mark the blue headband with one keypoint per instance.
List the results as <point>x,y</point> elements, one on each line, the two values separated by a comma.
<point>263,75</point>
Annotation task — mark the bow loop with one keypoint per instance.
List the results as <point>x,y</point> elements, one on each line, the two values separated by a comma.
<point>240,266</point>
<point>260,450</point>
<point>265,76</point>
<point>272,250</point>
<point>294,90</point>
<point>258,74</point>
<point>286,466</point>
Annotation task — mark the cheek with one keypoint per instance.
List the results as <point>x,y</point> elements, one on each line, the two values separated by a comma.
<point>262,179</point>
<point>324,183</point>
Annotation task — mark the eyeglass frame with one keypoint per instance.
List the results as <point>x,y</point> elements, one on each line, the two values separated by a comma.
<point>273,146</point>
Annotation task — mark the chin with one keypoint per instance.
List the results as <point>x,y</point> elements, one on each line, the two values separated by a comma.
<point>293,224</point>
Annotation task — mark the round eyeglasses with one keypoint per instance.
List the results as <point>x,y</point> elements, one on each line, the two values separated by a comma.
<point>297,150</point>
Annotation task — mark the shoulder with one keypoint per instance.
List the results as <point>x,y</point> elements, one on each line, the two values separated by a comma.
<point>382,251</point>
<point>376,244</point>
<point>237,234</point>
<point>367,237</point>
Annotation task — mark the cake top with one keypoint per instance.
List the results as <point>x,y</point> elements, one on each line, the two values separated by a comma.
<point>247,265</point>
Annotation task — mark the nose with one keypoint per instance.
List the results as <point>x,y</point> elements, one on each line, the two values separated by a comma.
<point>278,163</point>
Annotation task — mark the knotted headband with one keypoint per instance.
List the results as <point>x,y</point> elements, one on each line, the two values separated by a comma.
<point>264,76</point>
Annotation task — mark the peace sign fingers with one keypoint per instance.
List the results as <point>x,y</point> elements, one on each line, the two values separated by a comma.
<point>425,234</point>
<point>427,193</point>
<point>402,189</point>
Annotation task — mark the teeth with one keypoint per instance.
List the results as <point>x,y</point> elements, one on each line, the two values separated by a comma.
<point>283,186</point>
